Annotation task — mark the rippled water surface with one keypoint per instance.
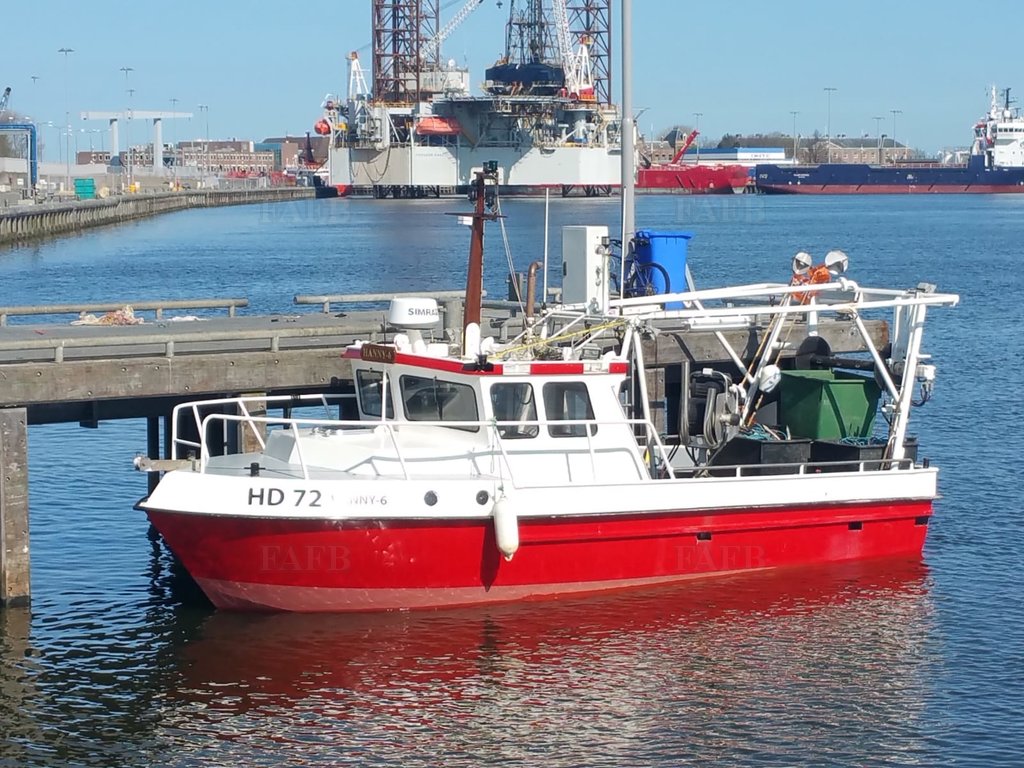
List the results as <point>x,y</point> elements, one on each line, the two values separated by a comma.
<point>121,662</point>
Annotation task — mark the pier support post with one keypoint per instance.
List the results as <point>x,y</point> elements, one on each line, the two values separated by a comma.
<point>153,449</point>
<point>250,443</point>
<point>14,552</point>
<point>656,397</point>
<point>452,317</point>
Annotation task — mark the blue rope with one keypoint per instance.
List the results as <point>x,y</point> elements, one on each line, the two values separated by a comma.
<point>862,441</point>
<point>761,432</point>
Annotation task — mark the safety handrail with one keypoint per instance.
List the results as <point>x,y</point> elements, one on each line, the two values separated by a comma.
<point>247,418</point>
<point>138,306</point>
<point>272,339</point>
<point>391,427</point>
<point>652,439</point>
<point>379,298</point>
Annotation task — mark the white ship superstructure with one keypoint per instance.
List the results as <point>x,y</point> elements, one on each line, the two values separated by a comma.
<point>1000,136</point>
<point>543,114</point>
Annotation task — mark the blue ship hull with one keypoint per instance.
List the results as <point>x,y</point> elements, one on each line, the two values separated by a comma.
<point>859,179</point>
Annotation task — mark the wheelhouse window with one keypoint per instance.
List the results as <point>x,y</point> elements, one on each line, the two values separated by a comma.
<point>515,402</point>
<point>369,385</point>
<point>438,400</point>
<point>568,401</point>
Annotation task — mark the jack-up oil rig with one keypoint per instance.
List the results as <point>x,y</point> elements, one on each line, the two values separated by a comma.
<point>543,112</point>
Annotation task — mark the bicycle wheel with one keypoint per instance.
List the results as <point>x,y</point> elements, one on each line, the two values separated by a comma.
<point>643,279</point>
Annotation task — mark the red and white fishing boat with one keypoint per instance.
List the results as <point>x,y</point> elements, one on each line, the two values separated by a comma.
<point>533,468</point>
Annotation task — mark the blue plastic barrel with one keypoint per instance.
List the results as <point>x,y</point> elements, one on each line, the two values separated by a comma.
<point>669,250</point>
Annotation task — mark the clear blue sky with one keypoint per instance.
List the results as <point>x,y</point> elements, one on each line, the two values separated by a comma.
<point>263,68</point>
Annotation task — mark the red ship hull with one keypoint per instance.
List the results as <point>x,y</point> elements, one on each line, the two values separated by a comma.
<point>252,563</point>
<point>694,179</point>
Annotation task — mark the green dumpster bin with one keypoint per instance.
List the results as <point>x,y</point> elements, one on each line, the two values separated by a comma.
<point>828,405</point>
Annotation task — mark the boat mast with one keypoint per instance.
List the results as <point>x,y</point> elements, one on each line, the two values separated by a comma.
<point>627,133</point>
<point>475,271</point>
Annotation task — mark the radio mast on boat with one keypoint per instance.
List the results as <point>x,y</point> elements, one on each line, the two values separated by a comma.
<point>628,130</point>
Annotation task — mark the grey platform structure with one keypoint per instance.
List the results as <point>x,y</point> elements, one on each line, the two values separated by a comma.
<point>113,119</point>
<point>59,373</point>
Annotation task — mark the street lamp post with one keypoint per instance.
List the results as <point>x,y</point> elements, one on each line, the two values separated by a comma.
<point>894,113</point>
<point>828,119</point>
<point>128,124</point>
<point>67,119</point>
<point>50,124</point>
<point>174,147</point>
<point>128,130</point>
<point>696,127</point>
<point>878,137</point>
<point>794,113</point>
<point>205,109</point>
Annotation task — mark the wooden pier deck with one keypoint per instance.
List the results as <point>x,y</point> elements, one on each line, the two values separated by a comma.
<point>52,373</point>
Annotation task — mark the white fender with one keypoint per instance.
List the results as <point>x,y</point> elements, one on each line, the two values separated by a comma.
<point>506,527</point>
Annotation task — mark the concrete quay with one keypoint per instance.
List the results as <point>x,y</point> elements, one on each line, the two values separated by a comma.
<point>31,222</point>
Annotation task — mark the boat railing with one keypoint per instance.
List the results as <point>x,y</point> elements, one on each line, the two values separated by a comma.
<point>250,417</point>
<point>192,437</point>
<point>652,456</point>
<point>809,467</point>
<point>829,295</point>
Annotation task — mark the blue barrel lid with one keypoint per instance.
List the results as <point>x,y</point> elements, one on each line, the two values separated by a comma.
<point>649,234</point>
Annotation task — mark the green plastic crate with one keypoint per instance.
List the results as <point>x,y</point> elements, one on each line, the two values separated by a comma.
<point>828,405</point>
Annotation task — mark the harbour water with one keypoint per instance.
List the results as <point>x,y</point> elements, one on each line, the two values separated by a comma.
<point>120,661</point>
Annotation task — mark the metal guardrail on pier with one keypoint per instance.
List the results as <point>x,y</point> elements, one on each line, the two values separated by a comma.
<point>367,298</point>
<point>231,305</point>
<point>167,344</point>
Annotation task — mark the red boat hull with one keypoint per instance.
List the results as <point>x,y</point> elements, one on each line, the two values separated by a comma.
<point>251,563</point>
<point>693,179</point>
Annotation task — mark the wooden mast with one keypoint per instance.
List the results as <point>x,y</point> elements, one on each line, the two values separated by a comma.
<point>475,272</point>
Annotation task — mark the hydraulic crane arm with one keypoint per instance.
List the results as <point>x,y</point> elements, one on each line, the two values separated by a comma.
<point>432,48</point>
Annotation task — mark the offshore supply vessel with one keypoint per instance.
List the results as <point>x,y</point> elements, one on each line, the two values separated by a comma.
<point>995,165</point>
<point>677,177</point>
<point>545,115</point>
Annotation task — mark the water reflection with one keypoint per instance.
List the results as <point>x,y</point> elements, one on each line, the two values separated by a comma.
<point>779,666</point>
<point>765,668</point>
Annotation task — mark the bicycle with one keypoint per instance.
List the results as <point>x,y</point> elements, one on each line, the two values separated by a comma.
<point>642,278</point>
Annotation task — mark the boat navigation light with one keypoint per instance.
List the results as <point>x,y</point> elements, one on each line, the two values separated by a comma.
<point>837,262</point>
<point>802,263</point>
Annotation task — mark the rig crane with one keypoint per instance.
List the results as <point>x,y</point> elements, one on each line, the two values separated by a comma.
<point>431,50</point>
<point>579,79</point>
<point>6,97</point>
